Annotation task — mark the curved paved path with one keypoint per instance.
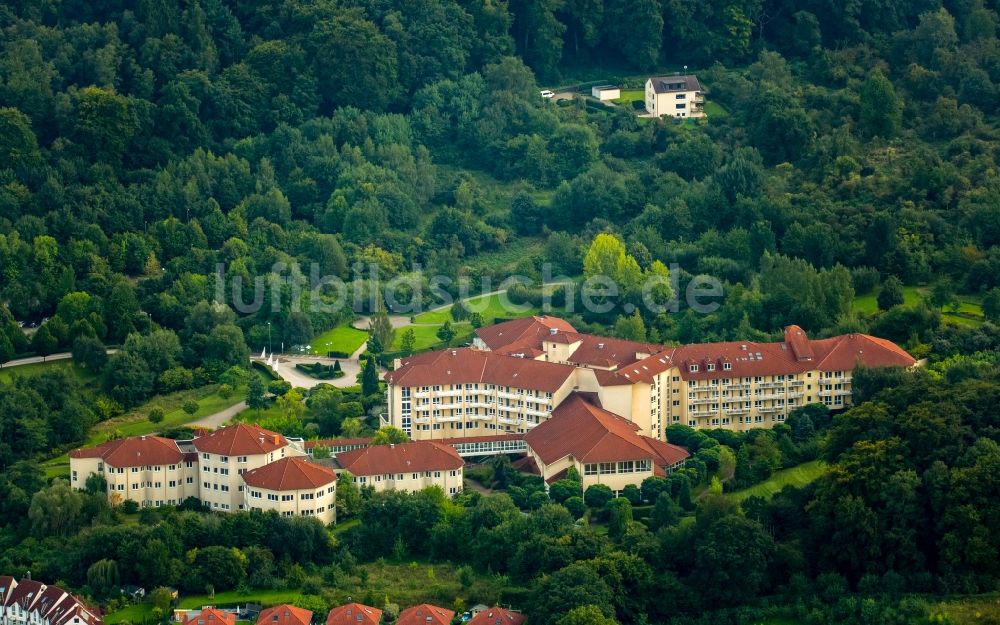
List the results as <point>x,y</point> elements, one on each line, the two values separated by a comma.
<point>219,418</point>
<point>285,367</point>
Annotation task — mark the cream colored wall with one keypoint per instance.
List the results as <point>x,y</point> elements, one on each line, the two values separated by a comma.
<point>558,352</point>
<point>224,491</point>
<point>777,399</point>
<point>147,486</point>
<point>322,505</point>
<point>456,400</point>
<point>448,480</point>
<point>549,470</point>
<point>614,481</point>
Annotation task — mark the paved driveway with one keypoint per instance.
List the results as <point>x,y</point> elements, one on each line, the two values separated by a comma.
<point>285,367</point>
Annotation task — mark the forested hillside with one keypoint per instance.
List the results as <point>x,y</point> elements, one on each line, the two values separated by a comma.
<point>143,144</point>
<point>845,180</point>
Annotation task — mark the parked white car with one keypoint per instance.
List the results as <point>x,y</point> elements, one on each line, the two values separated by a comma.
<point>547,94</point>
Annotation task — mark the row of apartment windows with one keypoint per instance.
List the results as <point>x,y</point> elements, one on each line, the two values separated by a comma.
<point>627,466</point>
<point>223,459</point>
<point>363,479</point>
<point>476,387</point>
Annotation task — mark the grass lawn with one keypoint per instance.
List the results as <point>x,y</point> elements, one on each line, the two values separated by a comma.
<point>969,312</point>
<point>630,95</point>
<point>796,476</point>
<point>233,597</point>
<point>8,373</point>
<point>489,306</point>
<point>340,339</point>
<point>714,109</point>
<point>868,304</point>
<point>136,422</point>
<point>406,583</point>
<point>130,614</point>
<point>425,337</point>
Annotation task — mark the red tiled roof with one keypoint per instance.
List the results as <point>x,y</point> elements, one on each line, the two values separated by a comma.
<point>284,614</point>
<point>401,458</point>
<point>289,474</point>
<point>842,353</point>
<point>498,616</point>
<point>525,333</point>
<point>134,452</point>
<point>354,614</point>
<point>242,439</point>
<point>425,614</point>
<point>605,351</point>
<point>590,434</point>
<point>461,366</point>
<point>211,616</point>
<point>748,358</point>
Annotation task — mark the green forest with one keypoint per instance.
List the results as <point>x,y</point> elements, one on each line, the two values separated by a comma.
<point>845,180</point>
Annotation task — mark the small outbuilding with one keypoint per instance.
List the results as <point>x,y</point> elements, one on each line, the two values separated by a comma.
<point>606,92</point>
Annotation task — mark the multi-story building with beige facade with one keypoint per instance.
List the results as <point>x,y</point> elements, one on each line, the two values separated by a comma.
<point>735,385</point>
<point>408,467</point>
<point>227,453</point>
<point>603,447</point>
<point>675,96</point>
<point>469,392</point>
<point>293,486</point>
<point>149,470</point>
<point>218,468</point>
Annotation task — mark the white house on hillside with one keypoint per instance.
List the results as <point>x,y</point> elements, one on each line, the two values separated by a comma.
<point>676,96</point>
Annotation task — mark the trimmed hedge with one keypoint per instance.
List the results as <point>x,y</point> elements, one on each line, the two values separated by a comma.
<point>337,354</point>
<point>320,371</point>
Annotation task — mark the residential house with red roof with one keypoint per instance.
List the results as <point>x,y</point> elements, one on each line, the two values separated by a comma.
<point>603,447</point>
<point>293,486</point>
<point>29,602</point>
<point>425,614</point>
<point>209,616</point>
<point>284,614</point>
<point>497,616</point>
<point>354,614</point>
<point>408,467</point>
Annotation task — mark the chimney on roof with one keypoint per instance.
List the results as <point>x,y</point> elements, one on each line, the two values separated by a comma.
<point>454,352</point>
<point>600,346</point>
<point>276,439</point>
<point>392,445</point>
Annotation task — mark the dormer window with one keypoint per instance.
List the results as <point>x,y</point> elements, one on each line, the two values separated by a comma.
<point>728,366</point>
<point>710,366</point>
<point>694,369</point>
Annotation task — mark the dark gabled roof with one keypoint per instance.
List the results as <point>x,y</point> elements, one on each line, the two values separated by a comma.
<point>669,84</point>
